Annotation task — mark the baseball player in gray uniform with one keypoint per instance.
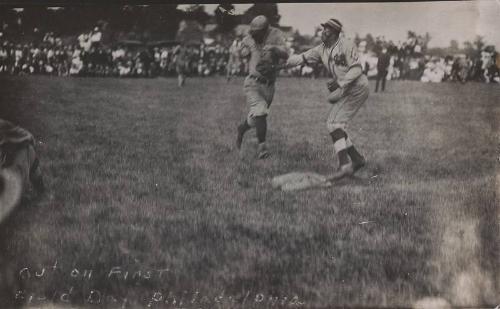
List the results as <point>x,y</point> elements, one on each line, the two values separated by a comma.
<point>266,46</point>
<point>348,90</point>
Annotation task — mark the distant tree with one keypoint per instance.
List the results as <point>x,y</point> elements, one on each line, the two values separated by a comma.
<point>301,40</point>
<point>411,34</point>
<point>469,49</point>
<point>426,39</point>
<point>454,46</point>
<point>225,17</point>
<point>317,31</point>
<point>197,12</point>
<point>34,16</point>
<point>479,43</point>
<point>170,17</point>
<point>270,10</point>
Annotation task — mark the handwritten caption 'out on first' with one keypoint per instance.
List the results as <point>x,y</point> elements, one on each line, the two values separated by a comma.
<point>155,298</point>
<point>115,272</point>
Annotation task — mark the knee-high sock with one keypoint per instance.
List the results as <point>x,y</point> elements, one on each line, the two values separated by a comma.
<point>261,128</point>
<point>352,151</point>
<point>339,144</point>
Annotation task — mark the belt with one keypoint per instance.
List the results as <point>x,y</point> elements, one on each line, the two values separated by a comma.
<point>262,80</point>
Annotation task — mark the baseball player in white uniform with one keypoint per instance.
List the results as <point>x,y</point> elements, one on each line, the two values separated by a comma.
<point>264,44</point>
<point>234,61</point>
<point>348,90</point>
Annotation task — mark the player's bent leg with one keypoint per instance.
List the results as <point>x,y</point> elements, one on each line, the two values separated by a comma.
<point>358,160</point>
<point>181,80</point>
<point>258,97</point>
<point>261,131</point>
<point>241,130</point>
<point>354,100</point>
<point>340,146</point>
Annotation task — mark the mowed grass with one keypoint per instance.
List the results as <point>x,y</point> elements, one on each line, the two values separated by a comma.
<point>143,175</point>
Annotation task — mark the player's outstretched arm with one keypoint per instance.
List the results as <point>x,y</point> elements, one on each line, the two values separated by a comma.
<point>311,56</point>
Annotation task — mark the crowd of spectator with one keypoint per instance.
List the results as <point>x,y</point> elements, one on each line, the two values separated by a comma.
<point>86,55</point>
<point>410,61</point>
<point>90,57</point>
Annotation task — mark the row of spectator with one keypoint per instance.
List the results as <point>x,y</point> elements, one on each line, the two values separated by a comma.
<point>89,57</point>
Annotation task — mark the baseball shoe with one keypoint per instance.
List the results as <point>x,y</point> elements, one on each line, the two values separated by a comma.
<point>343,171</point>
<point>263,152</point>
<point>239,137</point>
<point>356,165</point>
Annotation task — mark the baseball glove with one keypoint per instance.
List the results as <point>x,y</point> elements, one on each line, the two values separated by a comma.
<point>335,91</point>
<point>335,95</point>
<point>332,85</point>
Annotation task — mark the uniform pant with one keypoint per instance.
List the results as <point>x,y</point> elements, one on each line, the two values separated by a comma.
<point>259,97</point>
<point>381,77</point>
<point>350,101</point>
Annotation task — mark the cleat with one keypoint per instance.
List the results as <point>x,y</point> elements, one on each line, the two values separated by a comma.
<point>356,165</point>
<point>262,151</point>
<point>264,154</point>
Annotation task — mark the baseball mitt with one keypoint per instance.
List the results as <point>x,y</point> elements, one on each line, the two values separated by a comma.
<point>335,95</point>
<point>335,91</point>
<point>332,85</point>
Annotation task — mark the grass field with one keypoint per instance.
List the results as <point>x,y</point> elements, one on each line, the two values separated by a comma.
<point>142,178</point>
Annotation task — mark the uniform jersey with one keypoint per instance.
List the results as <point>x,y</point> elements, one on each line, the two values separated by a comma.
<point>249,47</point>
<point>338,59</point>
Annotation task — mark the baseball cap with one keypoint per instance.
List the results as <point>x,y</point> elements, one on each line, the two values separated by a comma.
<point>333,23</point>
<point>259,23</point>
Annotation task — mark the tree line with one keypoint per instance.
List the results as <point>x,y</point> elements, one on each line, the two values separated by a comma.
<point>145,21</point>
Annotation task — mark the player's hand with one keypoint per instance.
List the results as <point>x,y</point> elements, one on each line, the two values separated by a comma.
<point>332,85</point>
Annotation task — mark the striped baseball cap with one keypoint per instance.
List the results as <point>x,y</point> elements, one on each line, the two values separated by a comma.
<point>333,23</point>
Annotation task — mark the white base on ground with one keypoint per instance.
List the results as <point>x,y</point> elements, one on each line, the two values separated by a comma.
<point>300,181</point>
<point>432,303</point>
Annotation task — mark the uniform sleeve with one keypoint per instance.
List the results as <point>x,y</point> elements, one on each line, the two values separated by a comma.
<point>351,54</point>
<point>354,64</point>
<point>313,55</point>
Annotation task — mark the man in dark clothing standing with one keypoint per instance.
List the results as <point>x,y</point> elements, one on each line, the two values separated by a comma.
<point>384,60</point>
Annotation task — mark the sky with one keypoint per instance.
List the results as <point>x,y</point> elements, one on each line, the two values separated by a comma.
<point>444,20</point>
